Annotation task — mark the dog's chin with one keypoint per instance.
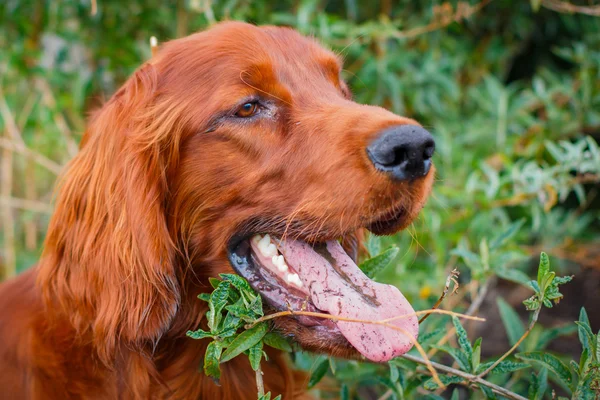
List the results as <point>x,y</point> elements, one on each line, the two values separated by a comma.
<point>321,276</point>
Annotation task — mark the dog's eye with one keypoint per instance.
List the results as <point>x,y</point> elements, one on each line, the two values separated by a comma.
<point>248,109</point>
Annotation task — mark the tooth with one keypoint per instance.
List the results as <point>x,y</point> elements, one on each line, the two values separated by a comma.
<point>270,250</point>
<point>282,267</point>
<point>256,239</point>
<point>265,240</point>
<point>296,280</point>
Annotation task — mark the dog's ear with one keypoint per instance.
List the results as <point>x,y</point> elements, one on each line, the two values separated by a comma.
<point>108,262</point>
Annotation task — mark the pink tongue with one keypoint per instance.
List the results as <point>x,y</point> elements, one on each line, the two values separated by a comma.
<point>338,286</point>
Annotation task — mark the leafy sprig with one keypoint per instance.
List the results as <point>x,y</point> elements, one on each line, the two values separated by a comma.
<point>233,304</point>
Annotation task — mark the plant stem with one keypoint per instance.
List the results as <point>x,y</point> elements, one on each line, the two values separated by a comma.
<point>384,322</point>
<point>509,352</point>
<point>380,322</point>
<point>469,377</point>
<point>259,381</point>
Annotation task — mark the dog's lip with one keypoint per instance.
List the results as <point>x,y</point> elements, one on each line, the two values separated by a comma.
<point>388,222</point>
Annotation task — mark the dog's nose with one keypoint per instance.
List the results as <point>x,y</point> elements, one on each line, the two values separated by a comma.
<point>404,151</point>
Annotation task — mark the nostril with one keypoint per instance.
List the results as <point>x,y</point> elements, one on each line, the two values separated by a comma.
<point>400,155</point>
<point>428,150</point>
<point>404,151</point>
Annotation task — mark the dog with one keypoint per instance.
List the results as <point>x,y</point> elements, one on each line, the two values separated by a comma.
<point>237,149</point>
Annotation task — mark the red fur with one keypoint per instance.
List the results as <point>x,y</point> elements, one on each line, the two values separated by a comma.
<point>162,182</point>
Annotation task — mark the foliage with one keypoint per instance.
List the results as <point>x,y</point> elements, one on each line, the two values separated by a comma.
<point>237,325</point>
<point>510,90</point>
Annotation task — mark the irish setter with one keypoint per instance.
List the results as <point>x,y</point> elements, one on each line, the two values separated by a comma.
<point>237,148</point>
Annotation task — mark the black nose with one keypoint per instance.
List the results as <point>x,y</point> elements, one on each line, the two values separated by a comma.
<point>404,151</point>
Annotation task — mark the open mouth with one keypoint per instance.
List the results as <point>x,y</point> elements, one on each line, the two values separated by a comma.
<point>322,277</point>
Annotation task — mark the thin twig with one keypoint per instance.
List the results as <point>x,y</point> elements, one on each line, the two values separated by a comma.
<point>463,11</point>
<point>534,319</point>
<point>469,377</point>
<point>451,278</point>
<point>259,381</point>
<point>27,205</point>
<point>59,119</point>
<point>25,151</point>
<point>568,8</point>
<point>378,322</point>
<point>384,322</point>
<point>473,308</point>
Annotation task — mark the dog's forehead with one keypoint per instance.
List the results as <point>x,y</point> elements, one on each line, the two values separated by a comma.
<point>246,46</point>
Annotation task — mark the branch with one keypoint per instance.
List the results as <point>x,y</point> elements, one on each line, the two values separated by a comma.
<point>383,322</point>
<point>27,205</point>
<point>59,119</point>
<point>534,319</point>
<point>259,381</point>
<point>451,278</point>
<point>444,16</point>
<point>473,308</point>
<point>42,160</point>
<point>568,8</point>
<point>469,377</point>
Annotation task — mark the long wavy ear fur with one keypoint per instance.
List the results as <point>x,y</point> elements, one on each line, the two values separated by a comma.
<point>108,262</point>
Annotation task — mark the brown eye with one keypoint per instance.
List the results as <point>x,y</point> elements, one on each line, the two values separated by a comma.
<point>247,110</point>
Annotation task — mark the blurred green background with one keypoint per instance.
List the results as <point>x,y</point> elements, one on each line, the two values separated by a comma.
<point>510,90</point>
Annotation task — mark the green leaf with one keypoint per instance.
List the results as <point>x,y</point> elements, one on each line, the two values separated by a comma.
<point>476,354</point>
<point>344,392</point>
<point>455,395</point>
<point>512,323</point>
<point>543,268</point>
<point>513,275</point>
<point>586,336</point>
<point>373,266</point>
<point>394,373</point>
<point>211,360</point>
<point>598,347</point>
<point>267,396</point>
<point>489,394</point>
<point>244,341</point>
<point>424,338</point>
<point>584,389</point>
<point>318,373</point>
<point>231,322</point>
<point>503,367</point>
<point>584,330</point>
<point>446,380</point>
<point>463,340</point>
<point>204,297</point>
<point>549,335</point>
<point>218,300</point>
<point>459,356</point>
<point>214,282</point>
<point>240,284</point>
<point>549,361</point>
<point>199,334</point>
<point>255,355</point>
<point>511,231</point>
<point>538,385</point>
<point>276,341</point>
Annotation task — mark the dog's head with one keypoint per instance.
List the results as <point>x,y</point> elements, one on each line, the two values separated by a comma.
<point>239,147</point>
